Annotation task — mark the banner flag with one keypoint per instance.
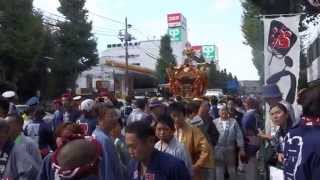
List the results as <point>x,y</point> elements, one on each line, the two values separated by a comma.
<point>282,58</point>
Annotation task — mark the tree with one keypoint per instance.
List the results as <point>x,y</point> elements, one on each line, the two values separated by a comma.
<point>252,28</point>
<point>76,44</point>
<point>212,76</point>
<point>21,37</point>
<point>219,79</point>
<point>166,59</point>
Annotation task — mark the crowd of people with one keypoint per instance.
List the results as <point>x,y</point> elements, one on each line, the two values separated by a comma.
<point>154,138</point>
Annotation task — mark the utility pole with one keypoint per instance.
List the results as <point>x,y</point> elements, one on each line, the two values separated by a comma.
<point>126,38</point>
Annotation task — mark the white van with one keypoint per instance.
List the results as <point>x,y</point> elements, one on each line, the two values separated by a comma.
<point>214,92</point>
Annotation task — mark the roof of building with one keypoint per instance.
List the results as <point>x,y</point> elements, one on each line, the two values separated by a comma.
<point>133,68</point>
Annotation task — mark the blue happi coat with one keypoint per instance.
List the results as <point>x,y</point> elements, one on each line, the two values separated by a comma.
<point>162,166</point>
<point>110,168</point>
<point>302,154</point>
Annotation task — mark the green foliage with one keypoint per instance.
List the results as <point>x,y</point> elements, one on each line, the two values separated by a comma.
<point>76,50</point>
<point>21,38</point>
<point>252,28</point>
<point>166,59</point>
<point>26,41</point>
<point>218,79</point>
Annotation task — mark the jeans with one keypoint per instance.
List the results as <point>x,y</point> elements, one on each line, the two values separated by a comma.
<point>225,157</point>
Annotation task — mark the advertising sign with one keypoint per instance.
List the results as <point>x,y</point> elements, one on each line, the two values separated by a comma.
<point>176,20</point>
<point>209,52</point>
<point>197,50</point>
<point>175,34</point>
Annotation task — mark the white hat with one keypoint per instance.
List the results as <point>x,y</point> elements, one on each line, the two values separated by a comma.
<point>87,105</point>
<point>9,94</point>
<point>76,98</point>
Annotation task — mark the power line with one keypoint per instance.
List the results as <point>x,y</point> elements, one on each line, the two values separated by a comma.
<point>104,31</point>
<point>158,47</point>
<point>104,28</point>
<point>148,53</point>
<point>107,18</point>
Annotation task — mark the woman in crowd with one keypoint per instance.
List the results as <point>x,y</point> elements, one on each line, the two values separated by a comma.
<point>168,143</point>
<point>280,117</point>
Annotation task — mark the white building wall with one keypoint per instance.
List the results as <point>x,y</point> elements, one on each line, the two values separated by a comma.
<point>98,73</point>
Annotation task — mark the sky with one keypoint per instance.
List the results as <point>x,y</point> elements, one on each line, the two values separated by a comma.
<point>209,22</point>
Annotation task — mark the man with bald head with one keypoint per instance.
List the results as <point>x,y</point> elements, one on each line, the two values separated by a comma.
<point>77,160</point>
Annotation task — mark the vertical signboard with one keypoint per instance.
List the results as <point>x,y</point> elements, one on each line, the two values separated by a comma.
<point>174,20</point>
<point>209,52</point>
<point>175,34</point>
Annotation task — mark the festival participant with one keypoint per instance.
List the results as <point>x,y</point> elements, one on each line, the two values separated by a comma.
<point>57,115</point>
<point>22,142</point>
<point>191,110</point>
<point>40,132</point>
<point>120,146</point>
<point>149,163</point>
<point>64,133</point>
<point>168,143</point>
<point>138,113</point>
<point>77,158</point>
<point>302,145</point>
<point>252,142</point>
<point>110,167</point>
<point>15,162</point>
<point>156,108</point>
<point>203,121</point>
<point>11,96</point>
<point>88,119</point>
<point>280,117</point>
<point>126,109</point>
<point>225,150</point>
<point>233,112</point>
<point>272,96</point>
<point>195,142</point>
<point>75,112</point>
<point>66,100</point>
<point>214,111</point>
<point>4,107</point>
